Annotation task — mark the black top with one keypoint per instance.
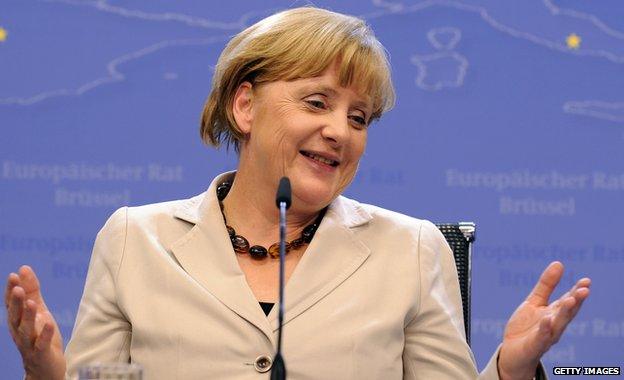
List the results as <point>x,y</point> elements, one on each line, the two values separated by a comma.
<point>266,307</point>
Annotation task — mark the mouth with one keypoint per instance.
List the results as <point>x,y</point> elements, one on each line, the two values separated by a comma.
<point>321,158</point>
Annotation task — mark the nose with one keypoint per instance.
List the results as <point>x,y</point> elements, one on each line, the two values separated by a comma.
<point>336,130</point>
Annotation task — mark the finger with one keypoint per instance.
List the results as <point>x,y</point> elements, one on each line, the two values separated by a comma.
<point>571,291</point>
<point>566,308</point>
<point>16,307</point>
<point>584,282</point>
<point>580,284</point>
<point>580,291</point>
<point>563,316</point>
<point>30,283</point>
<point>546,284</point>
<point>12,281</point>
<point>45,338</point>
<point>580,295</point>
<point>544,334</point>
<point>27,326</point>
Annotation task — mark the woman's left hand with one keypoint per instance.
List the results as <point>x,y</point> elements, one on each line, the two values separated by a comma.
<point>536,325</point>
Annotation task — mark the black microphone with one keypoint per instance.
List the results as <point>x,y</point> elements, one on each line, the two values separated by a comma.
<point>283,193</point>
<point>283,199</point>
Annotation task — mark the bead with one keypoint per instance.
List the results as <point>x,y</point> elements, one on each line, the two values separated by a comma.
<point>230,231</point>
<point>223,190</point>
<point>240,244</point>
<point>297,243</point>
<point>308,232</point>
<point>258,252</point>
<point>274,250</point>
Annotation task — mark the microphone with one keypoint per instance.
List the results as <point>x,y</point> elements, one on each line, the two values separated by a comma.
<point>283,199</point>
<point>283,193</point>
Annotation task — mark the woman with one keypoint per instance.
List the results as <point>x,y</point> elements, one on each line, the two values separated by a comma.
<point>185,288</point>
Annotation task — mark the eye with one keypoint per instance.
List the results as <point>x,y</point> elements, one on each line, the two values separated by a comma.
<point>319,104</point>
<point>359,120</point>
<point>316,101</point>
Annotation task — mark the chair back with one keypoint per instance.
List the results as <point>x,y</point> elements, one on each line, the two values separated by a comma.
<point>460,237</point>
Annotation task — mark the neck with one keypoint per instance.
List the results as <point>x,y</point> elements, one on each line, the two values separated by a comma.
<point>250,209</point>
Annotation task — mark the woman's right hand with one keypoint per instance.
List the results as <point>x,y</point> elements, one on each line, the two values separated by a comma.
<point>33,327</point>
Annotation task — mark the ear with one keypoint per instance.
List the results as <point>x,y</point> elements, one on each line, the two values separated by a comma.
<point>242,107</point>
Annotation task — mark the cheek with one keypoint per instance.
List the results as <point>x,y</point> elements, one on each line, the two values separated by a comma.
<point>279,141</point>
<point>270,139</point>
<point>271,125</point>
<point>359,147</point>
<point>357,150</point>
<point>283,129</point>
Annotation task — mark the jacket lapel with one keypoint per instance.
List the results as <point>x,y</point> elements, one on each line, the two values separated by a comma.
<point>334,255</point>
<point>206,254</point>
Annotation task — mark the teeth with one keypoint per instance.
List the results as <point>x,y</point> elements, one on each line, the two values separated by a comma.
<point>321,159</point>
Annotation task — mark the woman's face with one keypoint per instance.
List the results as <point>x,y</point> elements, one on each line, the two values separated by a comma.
<point>311,130</point>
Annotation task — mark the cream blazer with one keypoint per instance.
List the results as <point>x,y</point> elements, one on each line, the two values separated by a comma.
<point>375,296</point>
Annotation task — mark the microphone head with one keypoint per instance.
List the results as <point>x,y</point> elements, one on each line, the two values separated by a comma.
<point>283,192</point>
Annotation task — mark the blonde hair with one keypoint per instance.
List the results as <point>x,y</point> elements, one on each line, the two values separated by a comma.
<point>296,43</point>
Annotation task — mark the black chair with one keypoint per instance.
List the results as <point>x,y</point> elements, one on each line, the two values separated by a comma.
<point>460,237</point>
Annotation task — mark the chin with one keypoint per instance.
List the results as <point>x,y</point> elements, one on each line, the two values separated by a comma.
<point>314,193</point>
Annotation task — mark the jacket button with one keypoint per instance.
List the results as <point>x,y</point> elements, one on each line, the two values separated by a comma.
<point>263,363</point>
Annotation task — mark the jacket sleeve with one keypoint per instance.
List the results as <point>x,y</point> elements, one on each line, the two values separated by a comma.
<point>435,341</point>
<point>102,333</point>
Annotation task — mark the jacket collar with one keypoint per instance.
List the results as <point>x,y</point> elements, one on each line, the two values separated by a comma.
<point>206,254</point>
<point>348,212</point>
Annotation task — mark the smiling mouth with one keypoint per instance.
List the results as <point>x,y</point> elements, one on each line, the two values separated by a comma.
<point>320,159</point>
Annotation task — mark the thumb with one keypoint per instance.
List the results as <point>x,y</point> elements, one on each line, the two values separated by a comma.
<point>30,283</point>
<point>546,284</point>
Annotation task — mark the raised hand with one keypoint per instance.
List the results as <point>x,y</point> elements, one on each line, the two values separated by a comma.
<point>536,325</point>
<point>33,327</point>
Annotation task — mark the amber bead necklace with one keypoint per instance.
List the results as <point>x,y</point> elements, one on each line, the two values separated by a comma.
<point>241,244</point>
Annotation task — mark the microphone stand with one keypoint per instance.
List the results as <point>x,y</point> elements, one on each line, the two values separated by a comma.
<point>283,200</point>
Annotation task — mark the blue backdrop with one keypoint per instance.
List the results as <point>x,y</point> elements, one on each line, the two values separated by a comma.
<point>509,114</point>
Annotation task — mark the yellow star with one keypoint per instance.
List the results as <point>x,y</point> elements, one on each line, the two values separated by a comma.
<point>3,34</point>
<point>573,41</point>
